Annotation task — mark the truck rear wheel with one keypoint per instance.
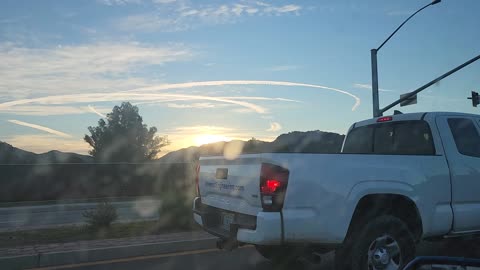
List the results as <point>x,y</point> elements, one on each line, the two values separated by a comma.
<point>383,243</point>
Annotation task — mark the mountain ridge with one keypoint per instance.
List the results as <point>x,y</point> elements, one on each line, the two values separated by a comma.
<point>315,141</point>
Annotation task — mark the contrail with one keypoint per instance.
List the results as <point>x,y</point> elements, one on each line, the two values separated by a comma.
<point>98,97</point>
<point>142,94</point>
<point>92,109</point>
<point>220,83</point>
<point>42,128</point>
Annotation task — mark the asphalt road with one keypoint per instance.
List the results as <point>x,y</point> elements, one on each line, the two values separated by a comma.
<point>44,216</point>
<point>241,259</point>
<point>245,258</point>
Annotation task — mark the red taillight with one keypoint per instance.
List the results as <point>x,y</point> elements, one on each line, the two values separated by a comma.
<point>270,186</point>
<point>273,186</point>
<point>384,119</point>
<point>197,178</point>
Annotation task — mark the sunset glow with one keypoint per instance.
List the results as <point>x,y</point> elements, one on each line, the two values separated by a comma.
<point>209,138</point>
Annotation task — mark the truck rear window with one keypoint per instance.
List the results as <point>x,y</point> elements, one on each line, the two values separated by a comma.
<point>394,138</point>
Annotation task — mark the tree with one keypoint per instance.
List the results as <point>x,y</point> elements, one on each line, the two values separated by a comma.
<point>124,137</point>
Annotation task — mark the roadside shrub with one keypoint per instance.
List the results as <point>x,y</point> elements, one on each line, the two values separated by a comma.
<point>101,217</point>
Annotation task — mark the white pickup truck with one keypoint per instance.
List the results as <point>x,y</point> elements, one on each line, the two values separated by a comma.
<point>399,179</point>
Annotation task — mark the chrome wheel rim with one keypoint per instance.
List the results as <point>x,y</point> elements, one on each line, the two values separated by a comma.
<point>384,254</point>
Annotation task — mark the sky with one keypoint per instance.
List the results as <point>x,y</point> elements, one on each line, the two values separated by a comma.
<point>204,71</point>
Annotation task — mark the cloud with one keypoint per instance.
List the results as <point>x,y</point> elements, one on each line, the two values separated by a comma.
<point>122,96</point>
<point>146,94</point>
<point>42,143</point>
<point>369,87</point>
<point>42,128</point>
<point>80,68</point>
<point>119,2</point>
<point>92,109</point>
<point>40,110</point>
<point>204,105</point>
<point>208,129</point>
<point>245,82</point>
<point>274,126</point>
<point>163,1</point>
<point>283,68</point>
<point>282,9</point>
<point>185,17</point>
<point>149,22</point>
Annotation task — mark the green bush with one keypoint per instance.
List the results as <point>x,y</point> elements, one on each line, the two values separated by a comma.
<point>101,217</point>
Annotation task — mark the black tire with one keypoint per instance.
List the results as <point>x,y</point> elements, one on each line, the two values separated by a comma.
<point>381,233</point>
<point>282,257</point>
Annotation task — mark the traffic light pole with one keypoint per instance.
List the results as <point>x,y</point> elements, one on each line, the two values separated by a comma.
<point>411,94</point>
<point>376,103</point>
<point>376,100</point>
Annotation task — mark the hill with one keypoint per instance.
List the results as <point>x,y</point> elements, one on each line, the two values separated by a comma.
<point>293,142</point>
<point>12,155</point>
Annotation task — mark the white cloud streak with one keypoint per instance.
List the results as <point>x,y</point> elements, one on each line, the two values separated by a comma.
<point>119,2</point>
<point>274,126</point>
<point>185,17</point>
<point>80,68</point>
<point>163,1</point>
<point>122,96</point>
<point>204,105</point>
<point>92,109</point>
<point>369,87</point>
<point>42,128</point>
<point>145,94</point>
<point>40,110</point>
<point>246,82</point>
<point>203,129</point>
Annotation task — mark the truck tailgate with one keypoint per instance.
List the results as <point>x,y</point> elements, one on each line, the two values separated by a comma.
<point>231,185</point>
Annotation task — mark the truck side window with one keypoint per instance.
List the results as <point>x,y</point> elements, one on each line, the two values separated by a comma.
<point>413,138</point>
<point>359,141</point>
<point>466,136</point>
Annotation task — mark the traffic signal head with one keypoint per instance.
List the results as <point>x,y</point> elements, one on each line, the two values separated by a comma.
<point>475,99</point>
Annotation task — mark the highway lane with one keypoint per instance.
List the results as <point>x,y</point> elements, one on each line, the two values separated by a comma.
<point>45,216</point>
<point>245,258</point>
<point>241,259</point>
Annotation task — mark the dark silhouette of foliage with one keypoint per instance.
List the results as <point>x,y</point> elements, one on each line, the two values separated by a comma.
<point>124,137</point>
<point>101,217</point>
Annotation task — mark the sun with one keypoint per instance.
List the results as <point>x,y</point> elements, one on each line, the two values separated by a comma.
<point>209,138</point>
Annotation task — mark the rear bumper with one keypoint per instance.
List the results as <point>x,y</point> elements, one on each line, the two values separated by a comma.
<point>268,231</point>
<point>263,229</point>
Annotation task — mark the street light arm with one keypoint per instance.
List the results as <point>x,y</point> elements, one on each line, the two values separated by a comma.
<point>413,93</point>
<point>398,28</point>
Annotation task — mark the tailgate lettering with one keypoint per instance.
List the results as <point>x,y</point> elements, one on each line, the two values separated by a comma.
<point>222,186</point>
